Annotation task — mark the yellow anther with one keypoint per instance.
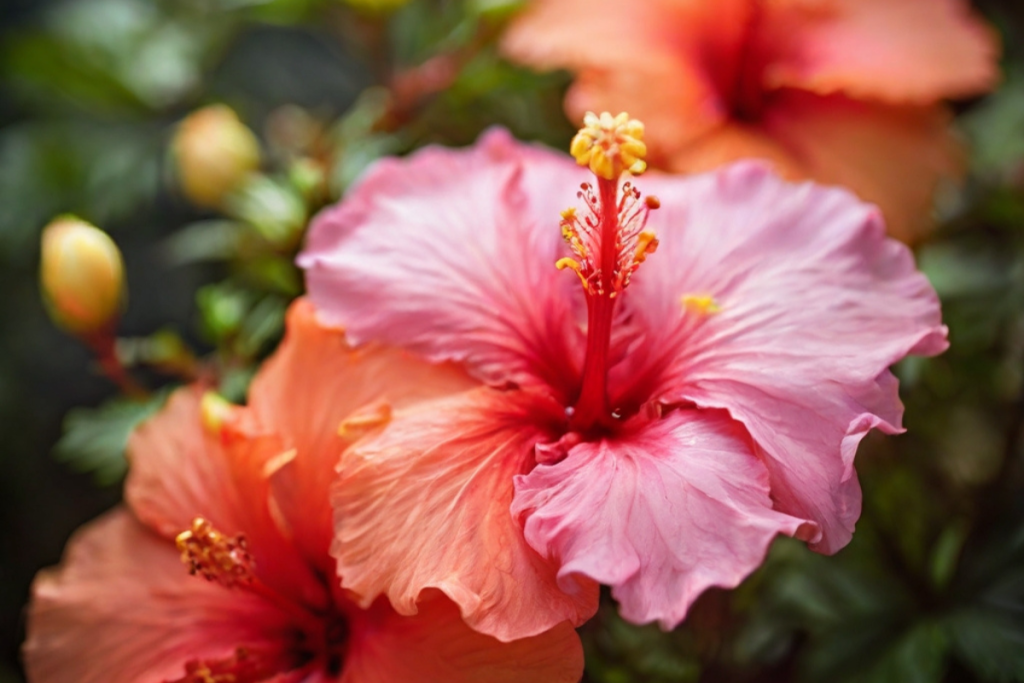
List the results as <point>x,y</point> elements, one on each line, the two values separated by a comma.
<point>702,304</point>
<point>215,411</point>
<point>646,243</point>
<point>369,417</point>
<point>214,556</point>
<point>566,262</point>
<point>609,145</point>
<point>575,266</point>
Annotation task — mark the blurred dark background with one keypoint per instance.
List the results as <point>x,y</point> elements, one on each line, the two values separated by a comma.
<point>932,589</point>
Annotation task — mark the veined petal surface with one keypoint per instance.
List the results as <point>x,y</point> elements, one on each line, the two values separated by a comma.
<point>811,304</point>
<point>660,513</point>
<point>450,253</point>
<point>426,504</point>
<point>122,609</point>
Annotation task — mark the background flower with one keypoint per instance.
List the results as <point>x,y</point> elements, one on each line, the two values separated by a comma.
<point>262,603</point>
<point>845,92</point>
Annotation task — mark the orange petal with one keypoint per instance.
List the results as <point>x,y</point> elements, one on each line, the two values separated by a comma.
<point>304,393</point>
<point>427,505</point>
<point>899,51</point>
<point>732,141</point>
<point>121,608</point>
<point>577,34</point>
<point>437,645</point>
<point>676,103</point>
<point>662,61</point>
<point>891,156</point>
<point>182,468</point>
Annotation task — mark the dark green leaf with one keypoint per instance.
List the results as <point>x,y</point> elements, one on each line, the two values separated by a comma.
<point>95,439</point>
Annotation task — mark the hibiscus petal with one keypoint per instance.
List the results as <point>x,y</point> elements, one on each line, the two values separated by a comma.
<point>667,63</point>
<point>730,141</point>
<point>659,514</point>
<point>549,34</point>
<point>437,645</point>
<point>426,505</point>
<point>181,470</point>
<point>900,51</point>
<point>811,305</point>
<point>451,254</point>
<point>122,608</point>
<point>892,156</point>
<point>305,391</point>
<point>675,116</point>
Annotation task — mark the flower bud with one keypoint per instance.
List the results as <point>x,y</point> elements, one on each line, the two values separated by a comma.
<point>82,276</point>
<point>214,151</point>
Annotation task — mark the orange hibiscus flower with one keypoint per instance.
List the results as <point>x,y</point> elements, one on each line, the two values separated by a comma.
<point>241,496</point>
<point>845,92</point>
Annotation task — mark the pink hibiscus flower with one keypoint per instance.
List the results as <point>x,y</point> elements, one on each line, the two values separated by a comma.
<point>651,424</point>
<point>244,492</point>
<point>846,92</point>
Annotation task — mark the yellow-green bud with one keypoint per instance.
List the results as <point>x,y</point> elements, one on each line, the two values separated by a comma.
<point>82,276</point>
<point>214,151</point>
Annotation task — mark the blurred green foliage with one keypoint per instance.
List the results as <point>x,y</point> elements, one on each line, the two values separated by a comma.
<point>930,590</point>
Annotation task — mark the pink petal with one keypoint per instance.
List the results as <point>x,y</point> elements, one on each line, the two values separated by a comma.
<point>899,51</point>
<point>451,254</point>
<point>815,304</point>
<point>122,608</point>
<point>437,645</point>
<point>660,514</point>
<point>181,470</point>
<point>426,505</point>
<point>305,391</point>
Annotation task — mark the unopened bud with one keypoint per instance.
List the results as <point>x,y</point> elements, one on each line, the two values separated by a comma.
<point>214,151</point>
<point>82,276</point>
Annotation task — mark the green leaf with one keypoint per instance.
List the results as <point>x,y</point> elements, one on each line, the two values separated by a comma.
<point>870,650</point>
<point>945,554</point>
<point>98,171</point>
<point>212,240</point>
<point>958,270</point>
<point>222,309</point>
<point>263,324</point>
<point>273,208</point>
<point>618,652</point>
<point>234,383</point>
<point>994,130</point>
<point>919,656</point>
<point>990,643</point>
<point>95,439</point>
<point>240,320</point>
